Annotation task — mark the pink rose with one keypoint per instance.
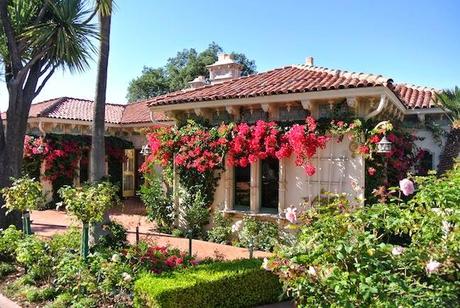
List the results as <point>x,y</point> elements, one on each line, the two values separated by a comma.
<point>432,266</point>
<point>407,187</point>
<point>397,250</point>
<point>291,215</point>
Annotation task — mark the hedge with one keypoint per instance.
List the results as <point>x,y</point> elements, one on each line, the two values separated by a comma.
<point>240,283</point>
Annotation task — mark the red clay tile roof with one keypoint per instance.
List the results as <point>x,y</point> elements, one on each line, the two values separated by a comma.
<point>296,79</point>
<point>36,109</point>
<point>140,113</point>
<point>69,108</point>
<point>81,109</point>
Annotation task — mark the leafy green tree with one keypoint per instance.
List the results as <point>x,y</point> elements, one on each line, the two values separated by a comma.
<point>89,205</point>
<point>179,70</point>
<point>24,195</point>
<point>36,38</point>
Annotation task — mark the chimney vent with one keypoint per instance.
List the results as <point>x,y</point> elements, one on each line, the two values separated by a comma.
<point>224,69</point>
<point>198,82</point>
<point>309,61</point>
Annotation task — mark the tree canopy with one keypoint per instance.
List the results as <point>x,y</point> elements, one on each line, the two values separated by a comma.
<point>179,70</point>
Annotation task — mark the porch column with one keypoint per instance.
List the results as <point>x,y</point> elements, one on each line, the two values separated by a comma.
<point>176,194</point>
<point>229,175</point>
<point>282,186</point>
<point>255,187</point>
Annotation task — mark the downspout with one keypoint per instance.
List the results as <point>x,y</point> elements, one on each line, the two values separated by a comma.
<point>380,107</point>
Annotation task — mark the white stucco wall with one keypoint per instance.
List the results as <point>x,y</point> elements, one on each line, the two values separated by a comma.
<point>337,171</point>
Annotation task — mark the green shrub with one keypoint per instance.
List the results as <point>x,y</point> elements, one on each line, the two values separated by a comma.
<point>9,240</point>
<point>35,295</point>
<point>73,276</point>
<point>263,235</point>
<point>34,255</point>
<point>177,233</point>
<point>158,202</point>
<point>196,215</point>
<point>385,255</point>
<point>116,237</point>
<point>221,231</point>
<point>6,269</point>
<point>68,241</point>
<point>239,283</point>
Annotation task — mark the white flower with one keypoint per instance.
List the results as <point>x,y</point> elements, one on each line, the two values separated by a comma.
<point>116,258</point>
<point>432,266</point>
<point>236,227</point>
<point>397,250</point>
<point>311,271</point>
<point>446,227</point>
<point>265,264</point>
<point>58,205</point>
<point>126,277</point>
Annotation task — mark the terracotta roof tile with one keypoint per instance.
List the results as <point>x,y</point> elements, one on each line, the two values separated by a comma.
<point>139,112</point>
<point>69,108</point>
<point>81,109</point>
<point>296,79</point>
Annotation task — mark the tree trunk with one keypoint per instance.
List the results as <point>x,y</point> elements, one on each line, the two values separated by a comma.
<point>12,146</point>
<point>97,171</point>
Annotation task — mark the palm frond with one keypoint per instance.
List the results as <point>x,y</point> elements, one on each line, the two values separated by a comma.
<point>63,35</point>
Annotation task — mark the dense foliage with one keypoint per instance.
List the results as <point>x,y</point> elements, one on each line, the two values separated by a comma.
<point>55,272</point>
<point>61,153</point>
<point>23,195</point>
<point>89,202</point>
<point>179,70</point>
<point>239,283</point>
<point>158,201</point>
<point>390,254</point>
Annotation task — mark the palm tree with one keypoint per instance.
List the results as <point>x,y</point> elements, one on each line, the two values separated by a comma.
<point>97,171</point>
<point>450,102</point>
<point>36,38</point>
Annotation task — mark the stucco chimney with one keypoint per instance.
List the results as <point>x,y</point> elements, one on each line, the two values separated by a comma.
<point>309,61</point>
<point>224,69</point>
<point>197,82</point>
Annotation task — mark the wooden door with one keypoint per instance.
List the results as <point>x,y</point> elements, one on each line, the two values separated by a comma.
<point>129,173</point>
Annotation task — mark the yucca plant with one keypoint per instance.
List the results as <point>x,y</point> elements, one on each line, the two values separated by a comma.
<point>450,102</point>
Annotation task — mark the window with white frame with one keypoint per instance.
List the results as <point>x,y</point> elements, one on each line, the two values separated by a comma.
<point>255,188</point>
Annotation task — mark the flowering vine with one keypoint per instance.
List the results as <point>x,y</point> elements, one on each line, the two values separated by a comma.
<point>61,154</point>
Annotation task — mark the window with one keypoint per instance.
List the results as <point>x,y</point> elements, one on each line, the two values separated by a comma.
<point>426,164</point>
<point>242,188</point>
<point>269,185</point>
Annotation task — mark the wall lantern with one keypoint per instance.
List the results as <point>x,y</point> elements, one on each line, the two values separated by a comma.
<point>384,146</point>
<point>146,150</point>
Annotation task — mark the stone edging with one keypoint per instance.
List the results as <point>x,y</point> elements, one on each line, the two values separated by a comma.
<point>7,303</point>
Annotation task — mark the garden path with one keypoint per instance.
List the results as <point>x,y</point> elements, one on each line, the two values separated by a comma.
<point>132,213</point>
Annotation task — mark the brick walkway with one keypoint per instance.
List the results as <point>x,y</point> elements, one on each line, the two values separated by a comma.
<point>49,222</point>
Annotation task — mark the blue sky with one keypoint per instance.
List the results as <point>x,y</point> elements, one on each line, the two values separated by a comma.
<point>411,41</point>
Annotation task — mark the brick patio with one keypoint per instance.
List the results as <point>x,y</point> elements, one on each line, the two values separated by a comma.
<point>131,214</point>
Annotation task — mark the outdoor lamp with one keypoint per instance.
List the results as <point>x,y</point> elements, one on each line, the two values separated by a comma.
<point>146,150</point>
<point>384,146</point>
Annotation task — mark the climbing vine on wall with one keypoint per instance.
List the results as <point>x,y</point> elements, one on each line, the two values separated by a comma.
<point>199,153</point>
<point>61,154</point>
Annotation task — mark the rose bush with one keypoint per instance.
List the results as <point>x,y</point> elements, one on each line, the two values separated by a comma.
<point>393,254</point>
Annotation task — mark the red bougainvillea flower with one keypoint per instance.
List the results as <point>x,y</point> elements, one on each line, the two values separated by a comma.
<point>363,149</point>
<point>374,139</point>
